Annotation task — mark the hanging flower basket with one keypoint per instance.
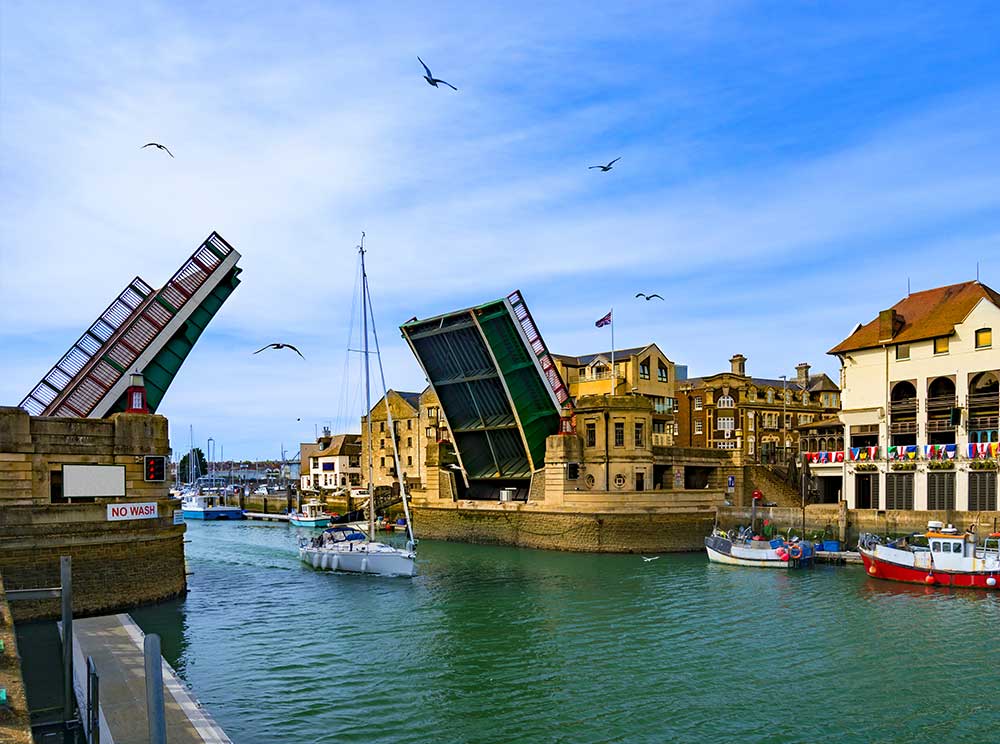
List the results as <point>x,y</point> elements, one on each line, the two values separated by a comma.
<point>941,465</point>
<point>983,465</point>
<point>904,465</point>
<point>866,467</point>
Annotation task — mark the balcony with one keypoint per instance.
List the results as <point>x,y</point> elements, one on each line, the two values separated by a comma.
<point>903,407</point>
<point>660,439</point>
<point>984,400</point>
<point>664,408</point>
<point>983,423</point>
<point>934,425</point>
<point>941,403</point>
<point>903,427</point>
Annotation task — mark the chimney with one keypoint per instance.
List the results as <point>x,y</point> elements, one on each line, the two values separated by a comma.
<point>739,363</point>
<point>889,323</point>
<point>803,373</point>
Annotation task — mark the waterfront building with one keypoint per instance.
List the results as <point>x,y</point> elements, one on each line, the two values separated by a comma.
<point>920,403</point>
<point>643,370</point>
<point>417,420</point>
<point>335,467</point>
<point>757,417</point>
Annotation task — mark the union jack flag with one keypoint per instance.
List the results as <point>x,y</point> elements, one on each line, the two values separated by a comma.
<point>606,320</point>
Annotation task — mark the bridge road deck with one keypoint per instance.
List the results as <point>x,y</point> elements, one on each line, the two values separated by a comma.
<point>115,644</point>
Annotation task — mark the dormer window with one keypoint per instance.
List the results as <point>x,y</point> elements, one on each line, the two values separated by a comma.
<point>984,338</point>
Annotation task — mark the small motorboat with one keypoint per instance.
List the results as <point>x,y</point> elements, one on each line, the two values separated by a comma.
<point>312,515</point>
<point>942,556</point>
<point>744,548</point>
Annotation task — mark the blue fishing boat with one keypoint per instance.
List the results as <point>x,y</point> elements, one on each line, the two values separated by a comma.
<point>312,515</point>
<point>208,506</point>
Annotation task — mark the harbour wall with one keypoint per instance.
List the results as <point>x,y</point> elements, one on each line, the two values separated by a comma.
<point>117,565</point>
<point>596,531</point>
<point>15,722</point>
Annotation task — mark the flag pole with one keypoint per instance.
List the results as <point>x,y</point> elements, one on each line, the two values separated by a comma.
<point>612,314</point>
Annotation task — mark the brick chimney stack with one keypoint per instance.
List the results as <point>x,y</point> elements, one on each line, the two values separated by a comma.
<point>803,374</point>
<point>739,363</point>
<point>889,323</point>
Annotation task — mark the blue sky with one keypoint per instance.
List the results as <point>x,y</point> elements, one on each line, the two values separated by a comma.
<point>785,167</point>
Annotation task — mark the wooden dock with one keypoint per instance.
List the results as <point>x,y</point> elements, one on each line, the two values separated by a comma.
<point>839,557</point>
<point>114,642</point>
<point>265,517</point>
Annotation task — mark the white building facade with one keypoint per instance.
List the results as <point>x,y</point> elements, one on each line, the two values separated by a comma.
<point>920,405</point>
<point>338,466</point>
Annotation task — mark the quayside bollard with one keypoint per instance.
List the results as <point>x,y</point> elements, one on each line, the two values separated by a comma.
<point>155,712</point>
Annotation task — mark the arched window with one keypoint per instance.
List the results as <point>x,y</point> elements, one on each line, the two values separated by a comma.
<point>770,396</point>
<point>805,397</point>
<point>726,401</point>
<point>822,445</point>
<point>752,394</point>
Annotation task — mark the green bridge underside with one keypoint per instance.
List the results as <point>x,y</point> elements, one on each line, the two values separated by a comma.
<point>490,427</point>
<point>160,372</point>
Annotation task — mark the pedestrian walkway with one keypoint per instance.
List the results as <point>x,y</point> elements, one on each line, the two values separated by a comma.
<point>114,642</point>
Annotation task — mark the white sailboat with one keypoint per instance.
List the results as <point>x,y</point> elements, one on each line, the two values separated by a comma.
<point>342,548</point>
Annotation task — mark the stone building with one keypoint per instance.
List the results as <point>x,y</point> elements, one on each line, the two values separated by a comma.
<point>644,371</point>
<point>604,487</point>
<point>921,404</point>
<point>418,420</point>
<point>50,507</point>
<point>758,417</point>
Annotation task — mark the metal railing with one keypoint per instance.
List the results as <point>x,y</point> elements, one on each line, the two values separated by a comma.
<point>527,324</point>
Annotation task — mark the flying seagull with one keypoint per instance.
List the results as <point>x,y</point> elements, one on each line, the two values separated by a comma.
<point>648,296</point>
<point>605,168</point>
<point>280,346</point>
<point>431,80</point>
<point>158,145</point>
<point>654,558</point>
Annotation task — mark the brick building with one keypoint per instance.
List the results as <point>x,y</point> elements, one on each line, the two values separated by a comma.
<point>758,417</point>
<point>418,421</point>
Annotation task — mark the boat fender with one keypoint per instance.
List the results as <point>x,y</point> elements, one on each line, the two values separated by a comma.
<point>335,564</point>
<point>364,564</point>
<point>315,560</point>
<point>795,552</point>
<point>929,578</point>
<point>991,581</point>
<point>781,553</point>
<point>872,570</point>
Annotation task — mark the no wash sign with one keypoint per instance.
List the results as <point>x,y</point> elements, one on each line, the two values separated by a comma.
<point>119,512</point>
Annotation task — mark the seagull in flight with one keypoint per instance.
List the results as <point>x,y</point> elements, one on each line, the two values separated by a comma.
<point>431,80</point>
<point>654,558</point>
<point>157,145</point>
<point>649,296</point>
<point>605,168</point>
<point>280,346</point>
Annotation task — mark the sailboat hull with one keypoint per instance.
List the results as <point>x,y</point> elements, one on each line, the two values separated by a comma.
<point>384,561</point>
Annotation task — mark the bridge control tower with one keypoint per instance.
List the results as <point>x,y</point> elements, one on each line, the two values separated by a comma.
<point>499,390</point>
<point>143,330</point>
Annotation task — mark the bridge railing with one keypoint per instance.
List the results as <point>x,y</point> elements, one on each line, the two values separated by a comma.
<point>538,348</point>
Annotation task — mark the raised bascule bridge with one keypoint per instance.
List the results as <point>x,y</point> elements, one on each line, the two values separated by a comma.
<point>498,388</point>
<point>144,330</point>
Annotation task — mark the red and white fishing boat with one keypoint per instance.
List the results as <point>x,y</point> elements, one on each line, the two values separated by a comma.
<point>940,557</point>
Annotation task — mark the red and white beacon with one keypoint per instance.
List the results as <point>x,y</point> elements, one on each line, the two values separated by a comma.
<point>135,396</point>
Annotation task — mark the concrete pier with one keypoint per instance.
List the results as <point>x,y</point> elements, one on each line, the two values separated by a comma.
<point>115,644</point>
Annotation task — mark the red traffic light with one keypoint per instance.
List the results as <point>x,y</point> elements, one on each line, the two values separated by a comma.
<point>154,468</point>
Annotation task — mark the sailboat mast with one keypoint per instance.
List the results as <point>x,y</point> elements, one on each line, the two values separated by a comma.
<point>368,393</point>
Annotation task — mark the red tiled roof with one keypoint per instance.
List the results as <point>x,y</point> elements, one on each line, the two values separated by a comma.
<point>927,314</point>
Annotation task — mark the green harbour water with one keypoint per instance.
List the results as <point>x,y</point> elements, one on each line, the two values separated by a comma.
<point>494,644</point>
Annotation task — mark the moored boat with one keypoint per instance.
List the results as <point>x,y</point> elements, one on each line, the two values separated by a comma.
<point>942,556</point>
<point>312,515</point>
<point>208,506</point>
<point>743,548</point>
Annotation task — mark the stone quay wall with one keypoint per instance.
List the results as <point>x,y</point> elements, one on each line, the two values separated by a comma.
<point>116,564</point>
<point>15,723</point>
<point>598,531</point>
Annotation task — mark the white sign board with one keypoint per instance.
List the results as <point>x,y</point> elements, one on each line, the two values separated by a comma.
<point>178,516</point>
<point>119,512</point>
<point>89,481</point>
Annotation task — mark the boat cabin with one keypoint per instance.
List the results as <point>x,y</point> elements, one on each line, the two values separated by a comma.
<point>313,509</point>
